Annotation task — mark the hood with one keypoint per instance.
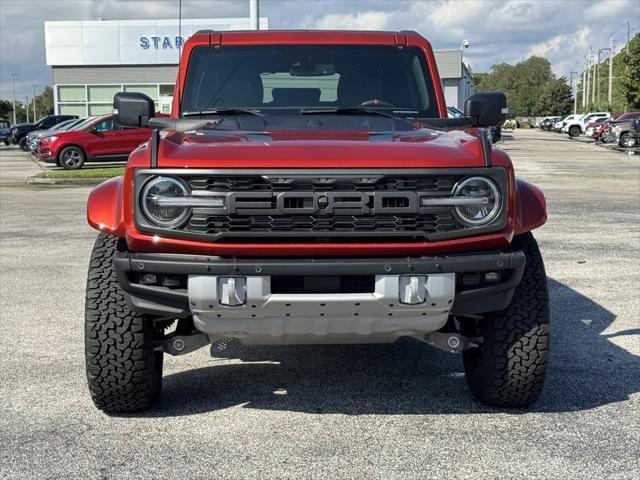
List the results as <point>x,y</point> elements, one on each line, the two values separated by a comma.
<point>320,149</point>
<point>39,132</point>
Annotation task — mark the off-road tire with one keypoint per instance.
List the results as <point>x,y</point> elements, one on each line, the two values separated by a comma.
<point>508,370</point>
<point>574,131</point>
<point>123,370</point>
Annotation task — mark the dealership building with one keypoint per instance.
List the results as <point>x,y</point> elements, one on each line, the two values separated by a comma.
<point>93,60</point>
<point>456,76</point>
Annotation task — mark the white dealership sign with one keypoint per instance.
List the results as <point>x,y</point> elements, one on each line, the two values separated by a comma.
<point>127,42</point>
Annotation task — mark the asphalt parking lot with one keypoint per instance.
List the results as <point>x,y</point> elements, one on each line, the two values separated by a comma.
<point>400,411</point>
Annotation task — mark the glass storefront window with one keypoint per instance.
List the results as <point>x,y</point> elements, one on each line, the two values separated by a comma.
<point>166,90</point>
<point>85,100</point>
<point>71,93</point>
<point>79,109</point>
<point>100,109</point>
<point>149,90</point>
<point>102,93</point>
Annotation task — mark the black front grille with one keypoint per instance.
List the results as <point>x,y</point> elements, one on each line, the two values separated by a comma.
<point>321,206</point>
<point>276,183</point>
<point>203,223</point>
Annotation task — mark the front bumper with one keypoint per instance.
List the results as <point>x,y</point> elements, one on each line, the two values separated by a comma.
<point>45,153</point>
<point>267,315</point>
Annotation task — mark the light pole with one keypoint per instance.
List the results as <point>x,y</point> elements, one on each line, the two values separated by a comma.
<point>609,99</point>
<point>254,14</point>
<point>593,81</point>
<point>575,96</point>
<point>584,84</point>
<point>603,50</point>
<point>26,107</point>
<point>13,88</point>
<point>588,81</point>
<point>34,102</point>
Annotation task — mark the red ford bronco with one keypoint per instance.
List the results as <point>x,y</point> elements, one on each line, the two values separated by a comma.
<point>309,188</point>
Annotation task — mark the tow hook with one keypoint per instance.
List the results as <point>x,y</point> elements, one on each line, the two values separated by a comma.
<point>451,342</point>
<point>182,344</point>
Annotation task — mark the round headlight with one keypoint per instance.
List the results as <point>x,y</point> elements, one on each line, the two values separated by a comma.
<point>487,205</point>
<point>156,201</point>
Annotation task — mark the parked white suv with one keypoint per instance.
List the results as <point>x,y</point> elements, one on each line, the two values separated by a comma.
<point>578,125</point>
<point>559,125</point>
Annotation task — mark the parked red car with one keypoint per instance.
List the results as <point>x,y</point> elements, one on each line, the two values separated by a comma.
<point>101,139</point>
<point>599,130</point>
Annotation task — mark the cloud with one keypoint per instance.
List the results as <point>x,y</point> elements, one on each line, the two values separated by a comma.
<point>556,47</point>
<point>372,20</point>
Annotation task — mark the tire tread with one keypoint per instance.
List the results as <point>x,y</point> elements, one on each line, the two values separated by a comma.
<point>123,372</point>
<point>511,369</point>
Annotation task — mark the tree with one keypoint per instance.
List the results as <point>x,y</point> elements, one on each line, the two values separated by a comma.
<point>531,78</point>
<point>5,109</point>
<point>44,107</point>
<point>44,103</point>
<point>522,83</point>
<point>630,78</point>
<point>556,98</point>
<point>626,82</point>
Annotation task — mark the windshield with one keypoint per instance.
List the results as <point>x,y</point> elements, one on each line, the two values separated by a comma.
<point>82,123</point>
<point>292,79</point>
<point>64,125</point>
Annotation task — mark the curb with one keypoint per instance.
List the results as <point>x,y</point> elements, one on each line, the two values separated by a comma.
<point>65,181</point>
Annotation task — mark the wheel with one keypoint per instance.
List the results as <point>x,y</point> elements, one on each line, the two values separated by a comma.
<point>123,370</point>
<point>23,144</point>
<point>574,131</point>
<point>508,369</point>
<point>627,141</point>
<point>71,158</point>
<point>7,143</point>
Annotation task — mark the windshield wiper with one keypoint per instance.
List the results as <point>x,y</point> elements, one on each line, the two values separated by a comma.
<point>347,111</point>
<point>222,111</point>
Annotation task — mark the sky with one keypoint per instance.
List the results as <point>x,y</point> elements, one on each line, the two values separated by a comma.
<point>497,30</point>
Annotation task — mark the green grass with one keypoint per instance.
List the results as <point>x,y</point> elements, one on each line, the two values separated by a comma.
<point>106,172</point>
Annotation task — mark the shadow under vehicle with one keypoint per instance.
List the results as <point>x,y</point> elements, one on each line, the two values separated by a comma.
<point>587,371</point>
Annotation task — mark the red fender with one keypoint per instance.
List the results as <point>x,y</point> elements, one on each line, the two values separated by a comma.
<point>104,207</point>
<point>531,207</point>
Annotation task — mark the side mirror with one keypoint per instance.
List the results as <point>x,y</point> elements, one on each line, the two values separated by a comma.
<point>132,109</point>
<point>487,109</point>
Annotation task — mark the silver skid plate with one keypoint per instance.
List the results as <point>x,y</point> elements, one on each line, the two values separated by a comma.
<point>377,317</point>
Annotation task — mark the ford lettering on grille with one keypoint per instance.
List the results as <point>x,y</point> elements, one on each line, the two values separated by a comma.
<point>320,206</point>
<point>338,203</point>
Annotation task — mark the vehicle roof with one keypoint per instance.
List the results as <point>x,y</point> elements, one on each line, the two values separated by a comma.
<point>303,30</point>
<point>248,37</point>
